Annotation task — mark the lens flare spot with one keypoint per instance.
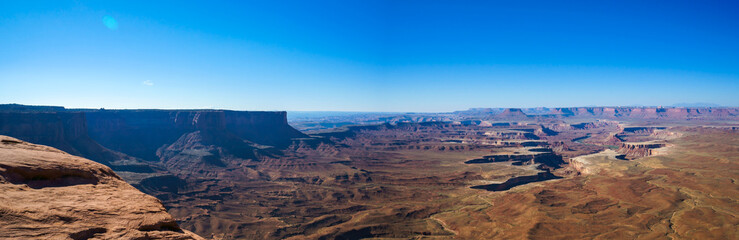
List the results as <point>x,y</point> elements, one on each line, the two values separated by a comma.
<point>110,22</point>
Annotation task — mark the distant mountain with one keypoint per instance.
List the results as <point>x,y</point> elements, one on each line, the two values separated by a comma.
<point>697,104</point>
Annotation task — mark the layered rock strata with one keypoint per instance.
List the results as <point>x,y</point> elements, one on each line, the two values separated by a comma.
<point>49,194</point>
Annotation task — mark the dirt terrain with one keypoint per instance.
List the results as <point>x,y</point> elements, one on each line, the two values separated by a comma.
<point>428,180</point>
<point>689,192</point>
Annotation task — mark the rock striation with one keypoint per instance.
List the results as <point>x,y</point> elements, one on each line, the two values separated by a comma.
<point>141,133</point>
<point>544,156</point>
<point>107,136</point>
<point>650,113</point>
<point>512,113</point>
<point>162,150</point>
<point>66,131</point>
<point>637,150</point>
<point>49,194</point>
<point>677,113</point>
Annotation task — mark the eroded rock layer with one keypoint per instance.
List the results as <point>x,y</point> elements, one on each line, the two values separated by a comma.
<point>49,194</point>
<point>141,132</point>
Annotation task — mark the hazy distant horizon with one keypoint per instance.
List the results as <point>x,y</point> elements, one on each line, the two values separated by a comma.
<point>409,56</point>
<point>350,112</point>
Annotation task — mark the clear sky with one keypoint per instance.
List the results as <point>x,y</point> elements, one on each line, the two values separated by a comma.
<point>368,55</point>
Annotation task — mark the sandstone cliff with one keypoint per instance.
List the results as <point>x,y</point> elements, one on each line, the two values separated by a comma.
<point>512,113</point>
<point>49,194</point>
<point>63,130</point>
<point>141,133</point>
<point>674,113</point>
<point>147,147</point>
<point>650,113</point>
<point>637,150</point>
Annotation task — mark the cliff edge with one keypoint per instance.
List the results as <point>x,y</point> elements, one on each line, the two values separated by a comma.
<point>49,194</point>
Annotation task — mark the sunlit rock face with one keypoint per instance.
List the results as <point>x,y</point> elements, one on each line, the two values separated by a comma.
<point>637,150</point>
<point>49,194</point>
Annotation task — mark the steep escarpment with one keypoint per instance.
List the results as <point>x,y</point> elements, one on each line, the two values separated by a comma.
<point>63,130</point>
<point>141,133</point>
<point>267,128</point>
<point>517,181</point>
<point>155,144</point>
<point>632,113</point>
<point>512,113</point>
<point>547,159</point>
<point>637,150</point>
<point>49,194</point>
<point>673,113</point>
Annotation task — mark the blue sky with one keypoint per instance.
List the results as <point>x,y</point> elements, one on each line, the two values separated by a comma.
<point>368,55</point>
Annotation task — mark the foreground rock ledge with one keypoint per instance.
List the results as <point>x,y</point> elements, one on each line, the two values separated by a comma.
<point>49,194</point>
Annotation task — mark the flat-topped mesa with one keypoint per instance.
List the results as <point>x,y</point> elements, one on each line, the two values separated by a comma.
<point>49,194</point>
<point>637,150</point>
<point>641,130</point>
<point>512,135</point>
<point>665,113</point>
<point>547,159</point>
<point>517,181</point>
<point>512,113</point>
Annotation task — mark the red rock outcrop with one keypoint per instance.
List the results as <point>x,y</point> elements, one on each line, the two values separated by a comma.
<point>637,150</point>
<point>613,139</point>
<point>512,113</point>
<point>543,131</point>
<point>49,194</point>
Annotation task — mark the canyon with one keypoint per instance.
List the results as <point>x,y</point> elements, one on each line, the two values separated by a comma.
<point>594,172</point>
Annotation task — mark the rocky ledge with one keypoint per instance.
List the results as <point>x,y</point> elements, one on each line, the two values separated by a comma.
<point>49,194</point>
<point>637,150</point>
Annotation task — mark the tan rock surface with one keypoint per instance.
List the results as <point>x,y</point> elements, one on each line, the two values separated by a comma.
<point>49,194</point>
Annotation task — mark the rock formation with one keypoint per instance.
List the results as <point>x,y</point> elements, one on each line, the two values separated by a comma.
<point>545,157</point>
<point>141,133</point>
<point>678,113</point>
<point>512,113</point>
<point>63,130</point>
<point>637,150</point>
<point>123,139</point>
<point>49,194</point>
<point>650,113</point>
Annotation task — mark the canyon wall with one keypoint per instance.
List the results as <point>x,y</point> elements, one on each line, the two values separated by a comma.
<point>637,150</point>
<point>143,140</point>
<point>677,113</point>
<point>668,113</point>
<point>141,132</point>
<point>63,130</point>
<point>268,128</point>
